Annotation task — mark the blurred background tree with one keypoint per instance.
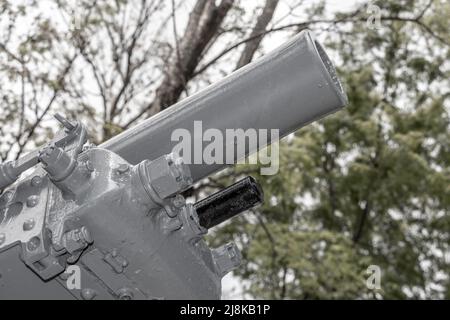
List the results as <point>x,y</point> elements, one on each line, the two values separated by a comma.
<point>366,186</point>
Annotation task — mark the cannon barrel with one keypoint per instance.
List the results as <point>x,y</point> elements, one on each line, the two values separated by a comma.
<point>286,89</point>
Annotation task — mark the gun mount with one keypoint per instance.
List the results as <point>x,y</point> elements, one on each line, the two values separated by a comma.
<point>110,222</point>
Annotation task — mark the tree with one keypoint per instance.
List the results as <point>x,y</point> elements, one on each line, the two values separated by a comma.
<point>367,186</point>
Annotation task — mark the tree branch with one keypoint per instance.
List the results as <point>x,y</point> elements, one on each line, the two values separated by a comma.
<point>204,22</point>
<point>261,24</point>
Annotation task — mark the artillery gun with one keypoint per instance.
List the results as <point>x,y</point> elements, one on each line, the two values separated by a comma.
<point>114,216</point>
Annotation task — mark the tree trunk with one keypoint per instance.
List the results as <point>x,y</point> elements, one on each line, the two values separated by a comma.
<point>257,32</point>
<point>204,22</point>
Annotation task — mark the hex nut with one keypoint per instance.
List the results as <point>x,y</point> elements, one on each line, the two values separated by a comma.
<point>168,175</point>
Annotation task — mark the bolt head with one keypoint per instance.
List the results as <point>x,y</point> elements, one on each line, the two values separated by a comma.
<point>76,239</point>
<point>33,244</point>
<point>123,168</point>
<point>179,201</point>
<point>29,224</point>
<point>88,294</point>
<point>7,195</point>
<point>167,176</point>
<point>32,201</point>
<point>125,294</point>
<point>36,181</point>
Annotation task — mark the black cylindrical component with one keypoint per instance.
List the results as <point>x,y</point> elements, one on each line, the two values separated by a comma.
<point>229,202</point>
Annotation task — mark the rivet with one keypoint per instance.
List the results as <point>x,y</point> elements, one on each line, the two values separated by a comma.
<point>125,294</point>
<point>123,168</point>
<point>32,201</point>
<point>28,224</point>
<point>33,244</point>
<point>179,201</point>
<point>7,195</point>
<point>88,294</point>
<point>2,238</point>
<point>36,181</point>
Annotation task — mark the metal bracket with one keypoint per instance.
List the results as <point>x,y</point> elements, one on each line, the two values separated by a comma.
<point>116,282</point>
<point>72,138</point>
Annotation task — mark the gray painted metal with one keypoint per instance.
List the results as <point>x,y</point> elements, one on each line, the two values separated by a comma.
<point>116,211</point>
<point>286,89</point>
<point>128,241</point>
<point>11,171</point>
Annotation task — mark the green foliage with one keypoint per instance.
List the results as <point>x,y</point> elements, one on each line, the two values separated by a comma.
<point>367,186</point>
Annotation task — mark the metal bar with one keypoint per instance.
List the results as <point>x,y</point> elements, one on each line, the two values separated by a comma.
<point>286,90</point>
